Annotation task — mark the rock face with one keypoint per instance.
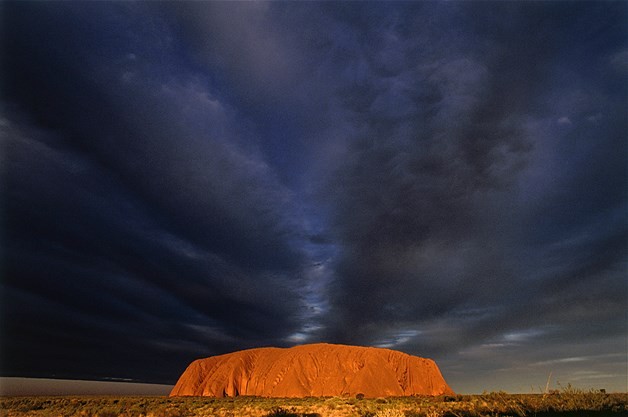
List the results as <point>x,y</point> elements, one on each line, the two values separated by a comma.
<point>312,370</point>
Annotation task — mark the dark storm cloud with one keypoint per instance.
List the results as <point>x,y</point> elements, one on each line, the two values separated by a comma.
<point>191,178</point>
<point>138,210</point>
<point>448,232</point>
<point>412,196</point>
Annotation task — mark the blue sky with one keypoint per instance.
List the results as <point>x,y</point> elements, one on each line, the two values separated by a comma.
<point>443,178</point>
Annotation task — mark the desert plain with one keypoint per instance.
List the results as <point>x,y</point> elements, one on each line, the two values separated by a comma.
<point>566,402</point>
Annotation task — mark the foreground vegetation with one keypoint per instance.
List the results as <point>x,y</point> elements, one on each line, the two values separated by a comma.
<point>567,403</point>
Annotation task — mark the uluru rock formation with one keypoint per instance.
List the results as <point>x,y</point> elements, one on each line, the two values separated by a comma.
<point>312,370</point>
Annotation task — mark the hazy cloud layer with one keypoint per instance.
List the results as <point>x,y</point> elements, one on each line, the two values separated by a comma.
<point>187,179</point>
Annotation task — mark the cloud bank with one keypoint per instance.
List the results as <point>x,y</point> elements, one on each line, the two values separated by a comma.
<point>188,179</point>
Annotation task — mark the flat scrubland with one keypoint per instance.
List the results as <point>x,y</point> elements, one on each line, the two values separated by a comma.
<point>567,403</point>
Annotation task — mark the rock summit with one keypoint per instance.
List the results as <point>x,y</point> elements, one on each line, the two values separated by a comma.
<point>312,370</point>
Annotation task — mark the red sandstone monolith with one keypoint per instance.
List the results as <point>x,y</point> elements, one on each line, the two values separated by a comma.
<point>312,370</point>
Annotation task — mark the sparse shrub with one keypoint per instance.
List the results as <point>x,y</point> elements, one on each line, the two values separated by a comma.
<point>281,412</point>
<point>172,410</point>
<point>107,413</point>
<point>389,412</point>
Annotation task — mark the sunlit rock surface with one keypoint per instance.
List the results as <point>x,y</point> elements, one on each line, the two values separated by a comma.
<point>312,370</point>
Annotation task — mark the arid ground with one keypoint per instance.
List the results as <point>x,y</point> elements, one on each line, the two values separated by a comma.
<point>568,402</point>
